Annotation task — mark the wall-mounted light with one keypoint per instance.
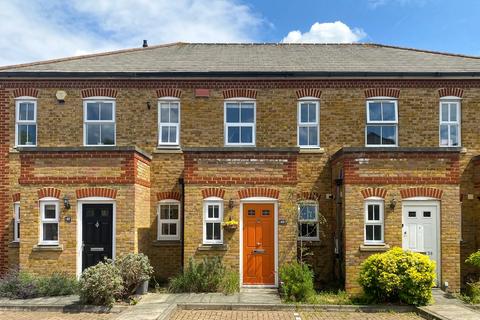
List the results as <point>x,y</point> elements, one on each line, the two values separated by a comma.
<point>231,204</point>
<point>149,106</point>
<point>393,202</point>
<point>66,202</point>
<point>61,95</point>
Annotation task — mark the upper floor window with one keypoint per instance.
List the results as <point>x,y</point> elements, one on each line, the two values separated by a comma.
<point>16,221</point>
<point>168,220</point>
<point>49,214</point>
<point>308,124</point>
<point>239,123</point>
<point>212,221</point>
<point>99,122</point>
<point>382,123</point>
<point>374,222</point>
<point>168,122</point>
<point>26,122</point>
<point>450,123</point>
<point>308,224</point>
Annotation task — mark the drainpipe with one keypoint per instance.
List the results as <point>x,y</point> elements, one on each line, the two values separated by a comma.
<point>181,182</point>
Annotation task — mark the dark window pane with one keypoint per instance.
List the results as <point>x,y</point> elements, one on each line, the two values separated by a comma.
<point>27,134</point>
<point>376,210</point>
<point>233,134</point>
<point>369,233</point>
<point>173,229</point>
<point>251,212</point>
<point>106,111</point>
<point>216,231</point>
<point>265,212</point>
<point>233,112</point>
<point>22,111</point>
<point>209,231</point>
<point>93,133</point>
<point>312,112</point>
<point>172,134</point>
<point>453,112</point>
<point>164,134</point>
<point>308,229</point>
<point>412,214</point>
<point>388,111</point>
<point>377,231</point>
<point>375,111</point>
<point>108,133</point>
<point>370,212</point>
<point>174,113</point>
<point>165,228</point>
<point>164,113</point>
<point>303,136</point>
<point>247,134</point>
<point>312,136</point>
<point>50,231</point>
<point>373,135</point>
<point>389,135</point>
<point>444,135</point>
<point>247,113</point>
<point>50,212</point>
<point>164,212</point>
<point>93,111</point>
<point>454,135</point>
<point>173,212</point>
<point>444,111</point>
<point>427,214</point>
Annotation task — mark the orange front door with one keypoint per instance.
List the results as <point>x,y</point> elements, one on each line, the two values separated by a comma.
<point>258,244</point>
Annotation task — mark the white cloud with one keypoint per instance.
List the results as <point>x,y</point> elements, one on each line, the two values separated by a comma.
<point>327,32</point>
<point>37,30</point>
<point>379,3</point>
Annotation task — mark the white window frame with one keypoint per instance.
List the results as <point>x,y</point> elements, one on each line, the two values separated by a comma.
<point>46,202</point>
<point>16,221</point>
<point>208,202</point>
<point>239,124</point>
<point>160,236</point>
<point>18,122</point>
<point>315,220</point>
<point>169,100</point>
<point>381,122</point>
<point>381,203</point>
<point>308,124</point>
<point>85,121</point>
<point>449,100</point>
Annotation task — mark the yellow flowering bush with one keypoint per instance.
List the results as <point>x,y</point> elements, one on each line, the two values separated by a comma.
<point>398,276</point>
<point>230,223</point>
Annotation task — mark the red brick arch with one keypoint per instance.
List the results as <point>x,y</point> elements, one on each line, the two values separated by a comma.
<point>49,192</point>
<point>450,92</point>
<point>213,192</point>
<point>168,195</point>
<point>240,93</point>
<point>99,92</point>
<point>258,192</point>
<point>308,92</point>
<point>421,192</point>
<point>382,92</point>
<point>16,197</point>
<point>169,92</point>
<point>25,92</point>
<point>374,192</point>
<point>308,196</point>
<point>96,192</point>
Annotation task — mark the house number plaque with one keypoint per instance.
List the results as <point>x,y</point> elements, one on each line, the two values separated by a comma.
<point>68,219</point>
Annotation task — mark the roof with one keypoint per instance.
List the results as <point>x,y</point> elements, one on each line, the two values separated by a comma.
<point>255,59</point>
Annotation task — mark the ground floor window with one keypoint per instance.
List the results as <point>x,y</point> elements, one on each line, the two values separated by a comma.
<point>16,222</point>
<point>308,221</point>
<point>374,221</point>
<point>212,221</point>
<point>49,212</point>
<point>169,220</point>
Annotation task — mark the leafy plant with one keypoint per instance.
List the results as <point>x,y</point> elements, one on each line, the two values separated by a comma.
<point>18,285</point>
<point>330,297</point>
<point>205,276</point>
<point>101,284</point>
<point>398,275</point>
<point>472,292</point>
<point>474,259</point>
<point>230,282</point>
<point>134,269</point>
<point>58,284</point>
<point>297,282</point>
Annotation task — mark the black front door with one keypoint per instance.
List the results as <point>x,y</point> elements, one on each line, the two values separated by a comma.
<point>97,233</point>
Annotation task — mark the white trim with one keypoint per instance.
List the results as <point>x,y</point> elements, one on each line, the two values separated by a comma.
<point>458,123</point>
<point>215,202</point>
<point>16,221</point>
<point>380,222</point>
<point>381,123</point>
<point>239,124</point>
<point>308,124</point>
<point>275,222</point>
<point>100,122</point>
<point>315,220</point>
<point>169,202</point>
<point>32,122</point>
<point>308,98</point>
<point>240,99</point>
<point>170,101</point>
<point>48,202</point>
<point>454,98</point>
<point>93,200</point>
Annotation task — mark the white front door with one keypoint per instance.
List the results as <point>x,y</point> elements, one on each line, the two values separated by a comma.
<point>420,230</point>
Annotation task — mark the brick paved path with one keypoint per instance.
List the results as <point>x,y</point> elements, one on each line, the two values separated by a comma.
<point>38,315</point>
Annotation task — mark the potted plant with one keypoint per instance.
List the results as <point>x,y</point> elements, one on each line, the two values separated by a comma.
<point>230,225</point>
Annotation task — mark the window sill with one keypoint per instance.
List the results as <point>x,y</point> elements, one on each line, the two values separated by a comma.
<point>47,247</point>
<point>312,150</point>
<point>311,243</point>
<point>14,244</point>
<point>213,247</point>
<point>168,149</point>
<point>166,243</point>
<point>374,247</point>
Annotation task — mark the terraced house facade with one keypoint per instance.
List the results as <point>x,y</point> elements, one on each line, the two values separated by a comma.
<point>342,150</point>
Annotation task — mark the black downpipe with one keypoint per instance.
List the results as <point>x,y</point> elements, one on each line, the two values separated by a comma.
<point>181,182</point>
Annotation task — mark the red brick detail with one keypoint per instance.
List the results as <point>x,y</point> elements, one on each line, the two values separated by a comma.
<point>382,92</point>
<point>202,93</point>
<point>374,192</point>
<point>136,158</point>
<point>168,195</point>
<point>5,197</point>
<point>213,192</point>
<point>308,196</point>
<point>99,92</point>
<point>450,92</point>
<point>240,93</point>
<point>258,192</point>
<point>25,92</point>
<point>421,192</point>
<point>308,92</point>
<point>16,197</point>
<point>169,92</point>
<point>49,193</point>
<point>96,192</point>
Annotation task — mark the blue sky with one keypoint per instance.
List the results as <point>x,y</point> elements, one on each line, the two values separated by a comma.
<point>35,30</point>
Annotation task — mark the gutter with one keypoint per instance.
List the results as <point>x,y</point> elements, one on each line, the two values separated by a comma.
<point>181,182</point>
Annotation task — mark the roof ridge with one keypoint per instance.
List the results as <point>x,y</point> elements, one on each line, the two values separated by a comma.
<point>90,55</point>
<point>423,50</point>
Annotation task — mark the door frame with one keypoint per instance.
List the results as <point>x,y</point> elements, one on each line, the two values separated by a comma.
<point>263,200</point>
<point>428,202</point>
<point>93,200</point>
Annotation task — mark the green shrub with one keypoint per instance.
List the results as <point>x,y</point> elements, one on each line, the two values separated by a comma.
<point>18,285</point>
<point>101,284</point>
<point>230,282</point>
<point>331,297</point>
<point>134,269</point>
<point>474,259</point>
<point>205,276</point>
<point>297,282</point>
<point>473,292</point>
<point>398,275</point>
<point>58,284</point>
